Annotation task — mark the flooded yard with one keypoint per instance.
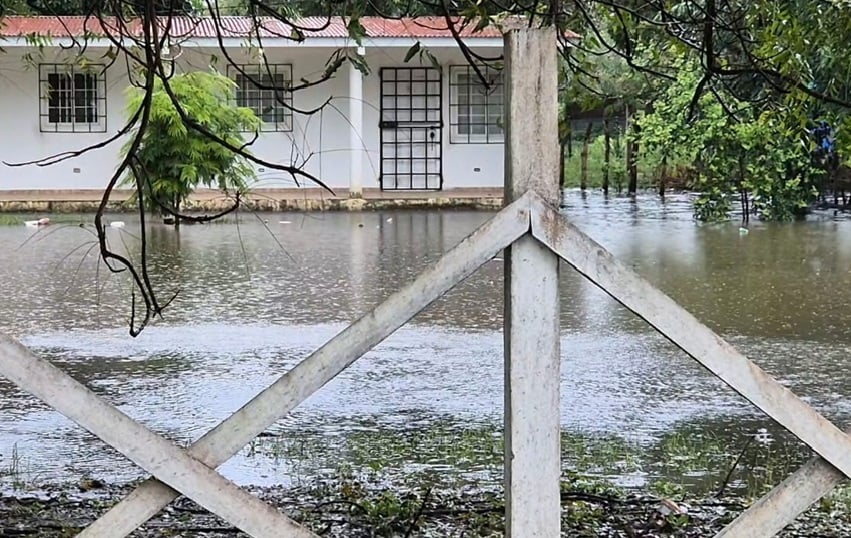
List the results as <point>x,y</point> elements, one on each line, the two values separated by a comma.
<point>258,296</point>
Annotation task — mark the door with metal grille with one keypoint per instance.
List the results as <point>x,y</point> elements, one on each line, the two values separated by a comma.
<point>411,128</point>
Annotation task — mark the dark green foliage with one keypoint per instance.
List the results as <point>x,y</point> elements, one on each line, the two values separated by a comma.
<point>174,159</point>
<point>738,152</point>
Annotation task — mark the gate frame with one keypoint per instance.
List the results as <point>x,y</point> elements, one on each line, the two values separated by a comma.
<point>535,235</point>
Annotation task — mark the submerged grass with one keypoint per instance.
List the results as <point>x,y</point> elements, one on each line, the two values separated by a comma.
<point>10,220</point>
<point>16,472</point>
<point>445,479</point>
<point>837,504</point>
<point>18,219</point>
<point>686,462</point>
<point>383,476</point>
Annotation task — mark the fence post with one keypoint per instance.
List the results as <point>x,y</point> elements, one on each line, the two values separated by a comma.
<point>532,373</point>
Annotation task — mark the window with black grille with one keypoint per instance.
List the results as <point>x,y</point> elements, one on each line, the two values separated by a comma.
<point>265,89</point>
<point>475,108</point>
<point>72,98</point>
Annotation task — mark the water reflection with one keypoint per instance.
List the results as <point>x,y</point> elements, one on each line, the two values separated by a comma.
<point>258,296</point>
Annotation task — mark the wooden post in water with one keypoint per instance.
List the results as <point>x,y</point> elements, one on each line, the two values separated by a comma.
<point>532,358</point>
<point>632,131</point>
<point>583,158</point>
<point>607,153</point>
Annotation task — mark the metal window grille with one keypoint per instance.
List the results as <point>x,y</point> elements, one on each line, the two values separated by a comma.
<point>266,90</point>
<point>72,99</point>
<point>475,110</point>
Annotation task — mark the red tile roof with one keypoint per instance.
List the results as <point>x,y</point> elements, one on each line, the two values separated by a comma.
<point>53,26</point>
<point>230,26</point>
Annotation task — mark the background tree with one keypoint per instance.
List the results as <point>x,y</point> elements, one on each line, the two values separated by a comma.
<point>171,160</point>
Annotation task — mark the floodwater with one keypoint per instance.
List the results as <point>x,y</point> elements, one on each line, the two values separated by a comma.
<point>257,297</point>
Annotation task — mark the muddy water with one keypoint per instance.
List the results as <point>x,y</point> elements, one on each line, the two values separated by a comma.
<point>257,297</point>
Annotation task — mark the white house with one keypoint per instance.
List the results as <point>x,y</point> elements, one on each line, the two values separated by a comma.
<point>406,126</point>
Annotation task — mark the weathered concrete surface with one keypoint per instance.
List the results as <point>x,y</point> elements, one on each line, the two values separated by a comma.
<point>307,199</point>
<point>532,309</point>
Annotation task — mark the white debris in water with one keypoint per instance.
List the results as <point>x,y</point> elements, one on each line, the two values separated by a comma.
<point>36,223</point>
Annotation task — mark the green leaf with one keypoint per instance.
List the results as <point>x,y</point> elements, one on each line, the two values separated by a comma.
<point>415,48</point>
<point>356,30</point>
<point>177,158</point>
<point>432,59</point>
<point>359,62</point>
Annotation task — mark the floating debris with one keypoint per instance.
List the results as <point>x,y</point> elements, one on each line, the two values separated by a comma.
<point>36,223</point>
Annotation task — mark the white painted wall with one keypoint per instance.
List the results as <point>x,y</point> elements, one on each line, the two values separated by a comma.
<point>21,140</point>
<point>321,142</point>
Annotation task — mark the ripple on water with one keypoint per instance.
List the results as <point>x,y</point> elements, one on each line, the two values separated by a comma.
<point>249,310</point>
<point>181,381</point>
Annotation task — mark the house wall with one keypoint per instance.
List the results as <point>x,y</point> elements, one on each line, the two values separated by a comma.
<point>319,143</point>
<point>21,139</point>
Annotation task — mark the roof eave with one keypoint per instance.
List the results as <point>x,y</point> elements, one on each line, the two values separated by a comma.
<point>273,43</point>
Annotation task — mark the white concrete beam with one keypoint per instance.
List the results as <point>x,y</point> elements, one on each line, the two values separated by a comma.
<point>532,354</point>
<point>356,131</point>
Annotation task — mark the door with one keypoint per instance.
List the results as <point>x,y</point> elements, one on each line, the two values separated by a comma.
<point>411,128</point>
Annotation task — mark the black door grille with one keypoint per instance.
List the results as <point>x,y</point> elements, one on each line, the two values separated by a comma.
<point>411,128</point>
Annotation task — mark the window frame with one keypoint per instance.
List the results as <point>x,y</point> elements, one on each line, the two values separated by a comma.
<point>282,113</point>
<point>91,117</point>
<point>460,100</point>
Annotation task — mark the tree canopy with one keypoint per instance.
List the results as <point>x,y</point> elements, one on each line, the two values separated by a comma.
<point>171,160</point>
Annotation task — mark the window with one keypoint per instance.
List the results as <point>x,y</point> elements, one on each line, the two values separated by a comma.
<point>72,99</point>
<point>265,90</point>
<point>475,110</point>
